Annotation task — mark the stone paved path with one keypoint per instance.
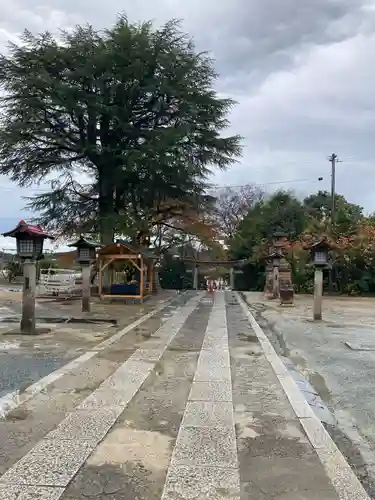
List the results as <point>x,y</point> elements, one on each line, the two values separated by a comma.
<point>193,410</point>
<point>29,361</point>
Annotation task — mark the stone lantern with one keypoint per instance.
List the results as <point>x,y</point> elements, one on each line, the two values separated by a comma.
<point>86,255</point>
<point>30,240</point>
<point>319,253</point>
<point>274,260</point>
<point>280,273</point>
<point>319,256</point>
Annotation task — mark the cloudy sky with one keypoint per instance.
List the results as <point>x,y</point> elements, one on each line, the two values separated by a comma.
<point>302,72</point>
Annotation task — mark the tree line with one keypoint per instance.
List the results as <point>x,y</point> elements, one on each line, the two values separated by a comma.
<point>248,218</point>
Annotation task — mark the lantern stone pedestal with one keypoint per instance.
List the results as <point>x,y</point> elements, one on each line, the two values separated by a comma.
<point>318,294</point>
<point>156,287</point>
<point>268,289</point>
<point>231,278</point>
<point>86,291</point>
<point>28,322</point>
<point>86,254</point>
<point>286,289</point>
<point>319,255</point>
<point>276,283</point>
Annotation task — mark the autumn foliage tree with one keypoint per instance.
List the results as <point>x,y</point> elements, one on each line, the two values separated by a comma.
<point>352,261</point>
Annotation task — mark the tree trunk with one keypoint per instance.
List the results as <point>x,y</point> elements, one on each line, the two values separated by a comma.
<point>106,217</point>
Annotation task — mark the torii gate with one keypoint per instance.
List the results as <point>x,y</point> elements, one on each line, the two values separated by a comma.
<point>231,264</point>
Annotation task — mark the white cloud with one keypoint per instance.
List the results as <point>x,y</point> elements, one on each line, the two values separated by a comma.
<point>302,72</point>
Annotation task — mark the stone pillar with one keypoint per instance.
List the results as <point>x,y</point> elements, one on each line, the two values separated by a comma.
<point>268,288</point>
<point>196,278</point>
<point>28,322</point>
<point>318,294</point>
<point>231,278</point>
<point>276,282</point>
<point>86,290</point>
<point>286,290</point>
<point>156,287</point>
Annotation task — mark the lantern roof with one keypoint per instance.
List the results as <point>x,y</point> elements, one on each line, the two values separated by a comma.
<point>84,242</point>
<point>311,242</point>
<point>29,230</point>
<point>323,243</point>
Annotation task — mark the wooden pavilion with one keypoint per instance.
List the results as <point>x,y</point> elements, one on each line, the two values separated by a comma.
<point>140,258</point>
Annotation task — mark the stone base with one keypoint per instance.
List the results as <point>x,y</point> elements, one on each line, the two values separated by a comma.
<point>287,296</point>
<point>268,291</point>
<point>271,296</point>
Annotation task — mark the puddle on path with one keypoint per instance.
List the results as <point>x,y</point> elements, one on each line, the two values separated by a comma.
<point>248,338</point>
<point>320,385</point>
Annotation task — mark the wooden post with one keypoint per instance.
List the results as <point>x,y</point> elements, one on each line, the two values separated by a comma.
<point>28,322</point>
<point>142,276</point>
<point>318,293</point>
<point>100,286</point>
<point>150,276</point>
<point>86,292</point>
<point>113,275</point>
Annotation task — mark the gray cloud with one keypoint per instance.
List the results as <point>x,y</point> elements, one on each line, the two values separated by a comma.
<point>303,74</point>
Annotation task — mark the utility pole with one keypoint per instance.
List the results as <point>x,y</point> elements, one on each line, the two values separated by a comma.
<point>333,159</point>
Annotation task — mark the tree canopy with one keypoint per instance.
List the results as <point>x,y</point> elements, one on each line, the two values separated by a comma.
<point>125,122</point>
<point>347,215</point>
<point>280,212</point>
<point>353,269</point>
<point>232,205</point>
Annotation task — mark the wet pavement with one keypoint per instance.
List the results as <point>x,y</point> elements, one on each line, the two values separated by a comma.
<point>19,369</point>
<point>25,360</point>
<point>336,357</point>
<point>185,405</point>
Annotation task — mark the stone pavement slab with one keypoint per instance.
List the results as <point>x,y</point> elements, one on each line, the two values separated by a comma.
<point>204,416</point>
<point>132,461</point>
<point>343,378</point>
<point>24,426</point>
<point>47,464</point>
<point>31,362</point>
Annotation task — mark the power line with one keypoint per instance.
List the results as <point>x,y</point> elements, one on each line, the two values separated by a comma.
<point>291,181</point>
<point>216,186</point>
